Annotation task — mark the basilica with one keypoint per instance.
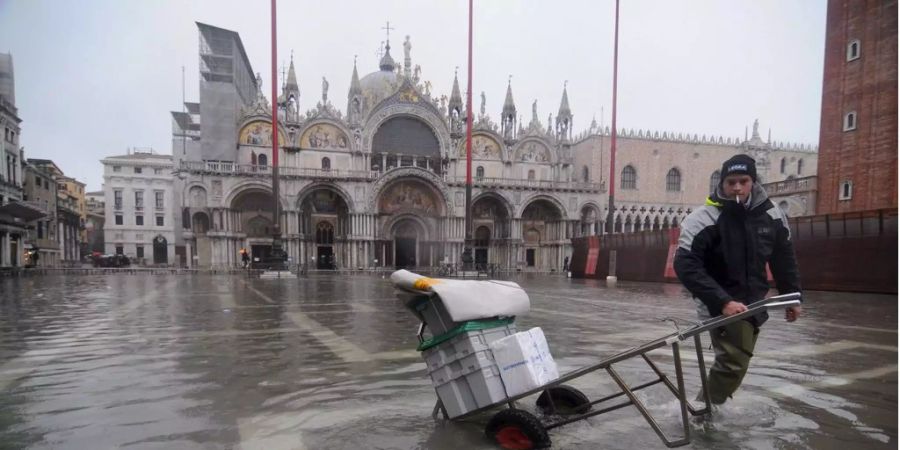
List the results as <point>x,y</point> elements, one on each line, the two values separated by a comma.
<point>382,183</point>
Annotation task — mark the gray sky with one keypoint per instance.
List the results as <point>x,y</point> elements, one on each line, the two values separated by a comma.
<point>95,77</point>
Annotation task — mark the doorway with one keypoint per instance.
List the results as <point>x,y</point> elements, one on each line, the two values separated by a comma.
<point>260,252</point>
<point>481,257</point>
<point>405,255</point>
<point>529,257</point>
<point>325,257</point>
<point>160,250</point>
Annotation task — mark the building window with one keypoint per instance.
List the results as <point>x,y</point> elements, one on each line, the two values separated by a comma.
<point>531,175</point>
<point>850,121</point>
<point>138,170</point>
<point>138,200</point>
<point>479,172</point>
<point>629,178</point>
<point>120,250</point>
<point>714,181</point>
<point>117,168</point>
<point>853,50</point>
<point>160,199</point>
<point>157,171</point>
<point>119,220</point>
<point>262,160</point>
<point>673,180</point>
<point>585,174</point>
<point>846,190</point>
<point>160,221</point>
<point>799,167</point>
<point>117,201</point>
<point>326,164</point>
<point>783,164</point>
<point>40,229</point>
<point>139,251</point>
<point>138,220</point>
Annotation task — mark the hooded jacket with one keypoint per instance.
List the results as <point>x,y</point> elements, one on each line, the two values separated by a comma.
<point>724,247</point>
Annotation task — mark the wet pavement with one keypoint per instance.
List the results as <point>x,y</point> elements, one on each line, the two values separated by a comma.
<point>328,362</point>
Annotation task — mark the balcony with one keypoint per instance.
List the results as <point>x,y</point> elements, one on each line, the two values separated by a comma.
<point>251,170</point>
<point>794,186</point>
<point>517,183</point>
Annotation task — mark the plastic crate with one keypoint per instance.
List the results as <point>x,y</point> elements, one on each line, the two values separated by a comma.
<point>435,314</point>
<point>465,344</point>
<point>472,390</point>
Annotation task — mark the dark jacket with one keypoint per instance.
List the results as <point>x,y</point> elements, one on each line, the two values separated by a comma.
<point>724,247</point>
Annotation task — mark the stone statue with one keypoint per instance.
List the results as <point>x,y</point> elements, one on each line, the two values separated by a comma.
<point>534,111</point>
<point>416,73</point>
<point>406,47</point>
<point>483,103</point>
<point>756,127</point>
<point>324,90</point>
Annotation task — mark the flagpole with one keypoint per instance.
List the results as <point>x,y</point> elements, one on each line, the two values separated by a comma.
<point>278,256</point>
<point>467,249</point>
<point>610,225</point>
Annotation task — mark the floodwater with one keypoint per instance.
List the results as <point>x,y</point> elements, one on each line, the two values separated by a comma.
<point>328,362</point>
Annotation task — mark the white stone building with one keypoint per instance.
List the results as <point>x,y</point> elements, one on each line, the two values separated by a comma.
<point>139,209</point>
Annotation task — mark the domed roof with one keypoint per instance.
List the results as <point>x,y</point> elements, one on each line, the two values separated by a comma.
<point>378,86</point>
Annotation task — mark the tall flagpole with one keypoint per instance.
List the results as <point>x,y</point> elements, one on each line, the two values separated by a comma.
<point>467,250</point>
<point>610,226</point>
<point>278,256</point>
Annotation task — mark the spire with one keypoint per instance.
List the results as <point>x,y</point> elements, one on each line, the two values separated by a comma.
<point>354,80</point>
<point>508,116</point>
<point>455,97</point>
<point>564,110</point>
<point>291,83</point>
<point>509,106</point>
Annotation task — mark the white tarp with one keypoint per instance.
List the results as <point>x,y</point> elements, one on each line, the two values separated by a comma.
<point>468,299</point>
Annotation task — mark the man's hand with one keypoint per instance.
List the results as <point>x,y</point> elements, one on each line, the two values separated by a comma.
<point>791,313</point>
<point>733,307</point>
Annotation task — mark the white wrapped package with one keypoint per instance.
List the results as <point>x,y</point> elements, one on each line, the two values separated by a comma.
<point>549,371</point>
<point>524,360</point>
<point>468,299</point>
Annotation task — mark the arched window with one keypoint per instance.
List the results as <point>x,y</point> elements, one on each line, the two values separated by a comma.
<point>324,233</point>
<point>479,172</point>
<point>853,50</point>
<point>585,174</point>
<point>531,175</point>
<point>783,164</point>
<point>799,167</point>
<point>673,180</point>
<point>850,121</point>
<point>326,164</point>
<point>714,181</point>
<point>262,160</point>
<point>629,178</point>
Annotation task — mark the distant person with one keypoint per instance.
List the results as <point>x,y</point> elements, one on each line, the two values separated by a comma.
<point>721,259</point>
<point>566,264</point>
<point>245,258</point>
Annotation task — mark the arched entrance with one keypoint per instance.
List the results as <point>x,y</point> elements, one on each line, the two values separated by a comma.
<point>482,245</point>
<point>160,250</point>
<point>491,225</point>
<point>254,213</point>
<point>202,248</point>
<point>324,223</point>
<point>543,234</point>
<point>409,211</point>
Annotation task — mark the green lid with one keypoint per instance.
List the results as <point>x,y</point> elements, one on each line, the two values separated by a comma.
<point>472,325</point>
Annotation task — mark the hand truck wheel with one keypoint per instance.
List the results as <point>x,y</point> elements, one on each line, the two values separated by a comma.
<point>517,429</point>
<point>563,400</point>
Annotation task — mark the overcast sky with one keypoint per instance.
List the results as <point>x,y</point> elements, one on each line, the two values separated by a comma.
<point>95,77</point>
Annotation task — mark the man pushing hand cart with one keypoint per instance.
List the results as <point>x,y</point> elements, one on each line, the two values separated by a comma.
<point>478,362</point>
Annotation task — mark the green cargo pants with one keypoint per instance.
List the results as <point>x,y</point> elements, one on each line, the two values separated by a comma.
<point>734,345</point>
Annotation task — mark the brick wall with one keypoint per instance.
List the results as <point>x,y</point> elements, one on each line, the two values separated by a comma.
<point>866,156</point>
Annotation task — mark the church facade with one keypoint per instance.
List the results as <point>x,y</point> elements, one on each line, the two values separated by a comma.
<point>383,183</point>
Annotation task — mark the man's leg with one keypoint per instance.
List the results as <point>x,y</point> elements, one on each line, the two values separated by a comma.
<point>733,344</point>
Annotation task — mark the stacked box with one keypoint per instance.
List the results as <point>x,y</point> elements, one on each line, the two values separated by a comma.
<point>525,361</point>
<point>463,371</point>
